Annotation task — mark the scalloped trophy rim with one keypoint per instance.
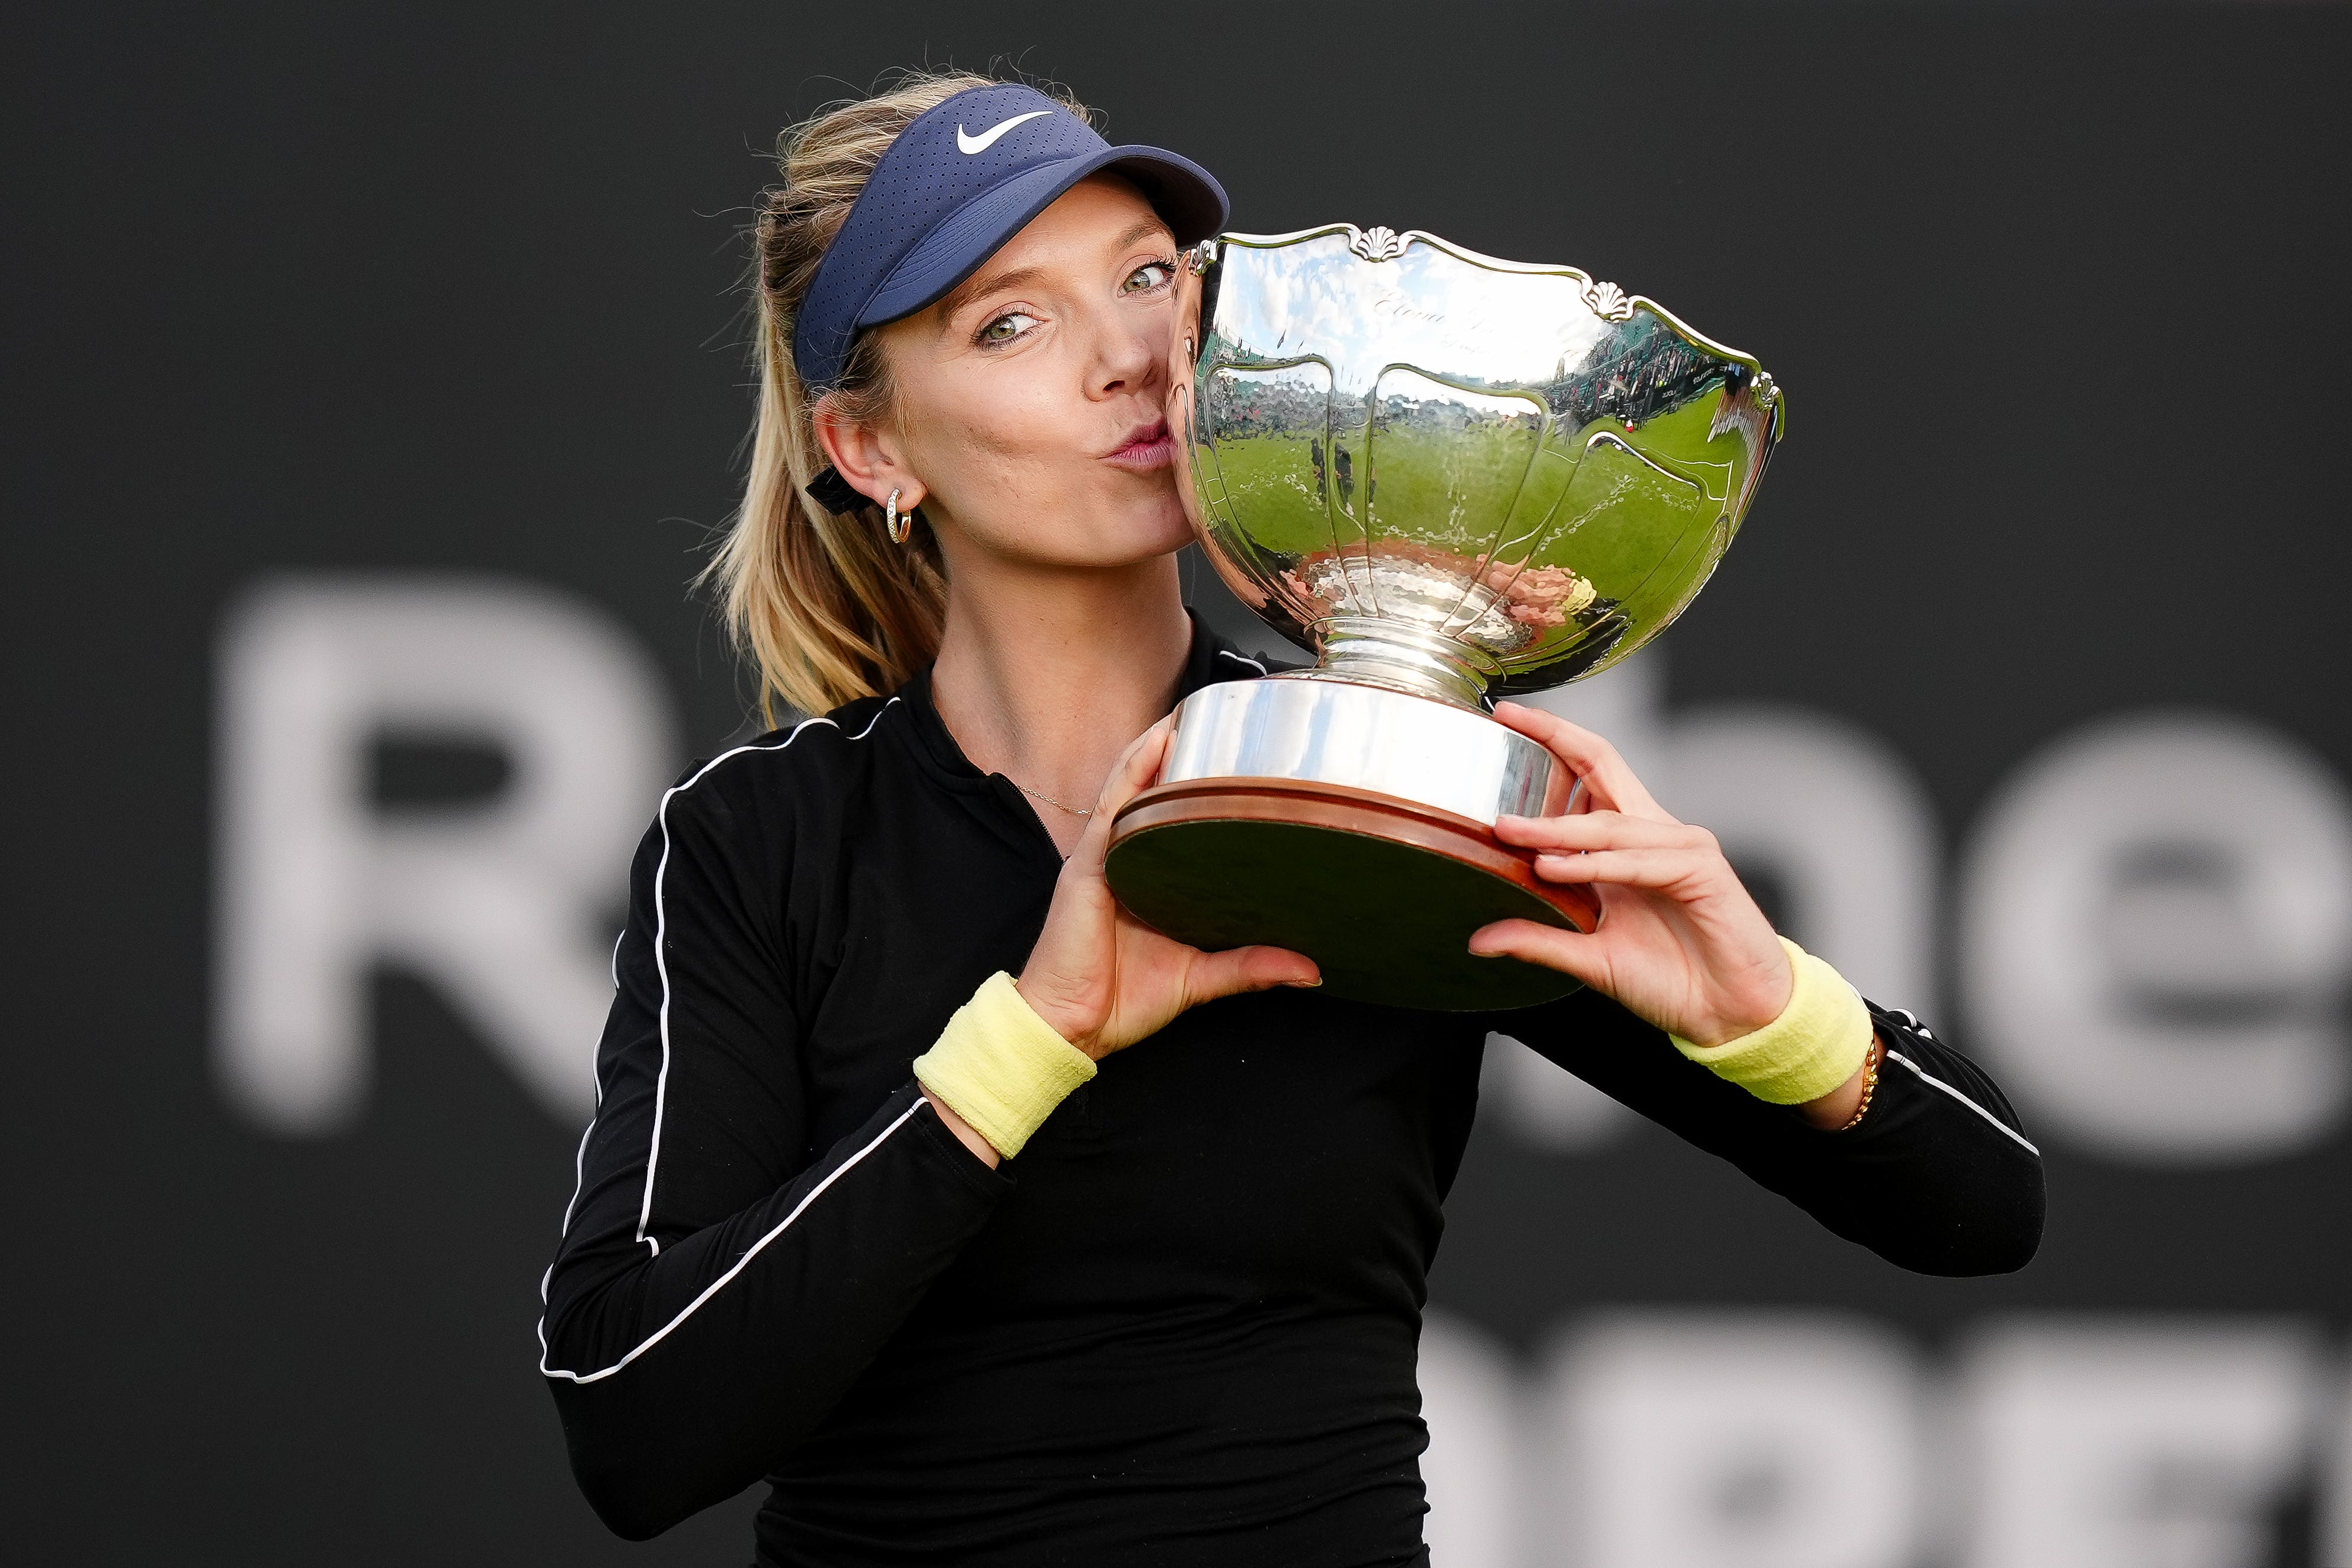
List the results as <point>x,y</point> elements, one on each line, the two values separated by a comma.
<point>1356,239</point>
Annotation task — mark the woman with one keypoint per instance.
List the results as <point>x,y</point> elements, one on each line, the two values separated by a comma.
<point>1181,1325</point>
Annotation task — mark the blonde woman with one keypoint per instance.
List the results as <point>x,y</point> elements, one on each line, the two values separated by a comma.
<point>981,1222</point>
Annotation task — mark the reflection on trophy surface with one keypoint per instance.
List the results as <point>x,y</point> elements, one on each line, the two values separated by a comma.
<point>1456,478</point>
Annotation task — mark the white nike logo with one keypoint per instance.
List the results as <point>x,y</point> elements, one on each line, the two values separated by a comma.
<point>982,142</point>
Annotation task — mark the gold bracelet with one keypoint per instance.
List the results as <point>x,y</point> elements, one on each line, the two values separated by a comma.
<point>1869,1085</point>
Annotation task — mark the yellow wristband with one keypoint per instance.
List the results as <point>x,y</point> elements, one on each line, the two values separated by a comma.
<point>1816,1044</point>
<point>1001,1067</point>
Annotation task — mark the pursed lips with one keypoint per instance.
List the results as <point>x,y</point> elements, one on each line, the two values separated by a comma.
<point>1149,446</point>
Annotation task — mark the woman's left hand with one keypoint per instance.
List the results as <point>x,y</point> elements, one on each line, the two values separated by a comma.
<point>1680,943</point>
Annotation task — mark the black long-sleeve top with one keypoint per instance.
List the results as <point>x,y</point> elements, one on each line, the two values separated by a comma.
<point>1182,1328</point>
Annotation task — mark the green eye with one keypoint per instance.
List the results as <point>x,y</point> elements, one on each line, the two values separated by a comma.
<point>1150,275</point>
<point>1007,327</point>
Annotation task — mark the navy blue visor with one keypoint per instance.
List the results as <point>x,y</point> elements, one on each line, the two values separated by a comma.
<point>957,183</point>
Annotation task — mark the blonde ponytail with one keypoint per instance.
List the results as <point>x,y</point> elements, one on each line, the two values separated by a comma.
<point>825,606</point>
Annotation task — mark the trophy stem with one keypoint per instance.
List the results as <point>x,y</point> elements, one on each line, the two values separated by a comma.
<point>1405,658</point>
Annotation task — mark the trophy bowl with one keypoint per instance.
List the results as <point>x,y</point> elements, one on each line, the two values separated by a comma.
<point>1456,479</point>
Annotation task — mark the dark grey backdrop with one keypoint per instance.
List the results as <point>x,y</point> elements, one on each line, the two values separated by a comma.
<point>2057,295</point>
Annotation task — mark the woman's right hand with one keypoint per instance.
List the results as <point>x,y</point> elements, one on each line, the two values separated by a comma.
<point>1100,977</point>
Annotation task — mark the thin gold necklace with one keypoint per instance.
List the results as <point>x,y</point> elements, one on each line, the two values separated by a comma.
<point>1041,795</point>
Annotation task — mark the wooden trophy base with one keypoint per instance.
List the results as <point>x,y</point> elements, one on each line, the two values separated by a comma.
<point>1382,893</point>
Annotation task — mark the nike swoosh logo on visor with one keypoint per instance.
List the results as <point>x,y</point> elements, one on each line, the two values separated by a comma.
<point>986,139</point>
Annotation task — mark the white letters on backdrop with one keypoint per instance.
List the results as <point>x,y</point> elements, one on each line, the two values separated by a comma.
<point>2121,1445</point>
<point>505,905</point>
<point>1469,1397</point>
<point>1739,1440</point>
<point>2335,1479</point>
<point>2156,917</point>
<point>1683,1439</point>
<point>2155,976</point>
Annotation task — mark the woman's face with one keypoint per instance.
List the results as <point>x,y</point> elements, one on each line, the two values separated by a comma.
<point>1031,406</point>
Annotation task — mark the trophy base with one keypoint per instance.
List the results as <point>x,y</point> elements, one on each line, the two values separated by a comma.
<point>1382,893</point>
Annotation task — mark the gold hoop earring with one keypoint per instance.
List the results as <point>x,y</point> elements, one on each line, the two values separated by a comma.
<point>900,523</point>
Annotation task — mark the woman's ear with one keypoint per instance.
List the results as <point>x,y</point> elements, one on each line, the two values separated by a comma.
<point>867,459</point>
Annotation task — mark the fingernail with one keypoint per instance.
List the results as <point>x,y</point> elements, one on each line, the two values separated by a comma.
<point>1304,985</point>
<point>1478,953</point>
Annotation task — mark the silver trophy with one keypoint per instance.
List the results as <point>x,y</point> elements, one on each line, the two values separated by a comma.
<point>1456,478</point>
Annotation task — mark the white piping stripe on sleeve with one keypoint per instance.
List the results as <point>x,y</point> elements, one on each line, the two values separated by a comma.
<point>862,734</point>
<point>2006,1130</point>
<point>579,1177</point>
<point>741,1263</point>
<point>1242,659</point>
<point>661,958</point>
<point>580,1155</point>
